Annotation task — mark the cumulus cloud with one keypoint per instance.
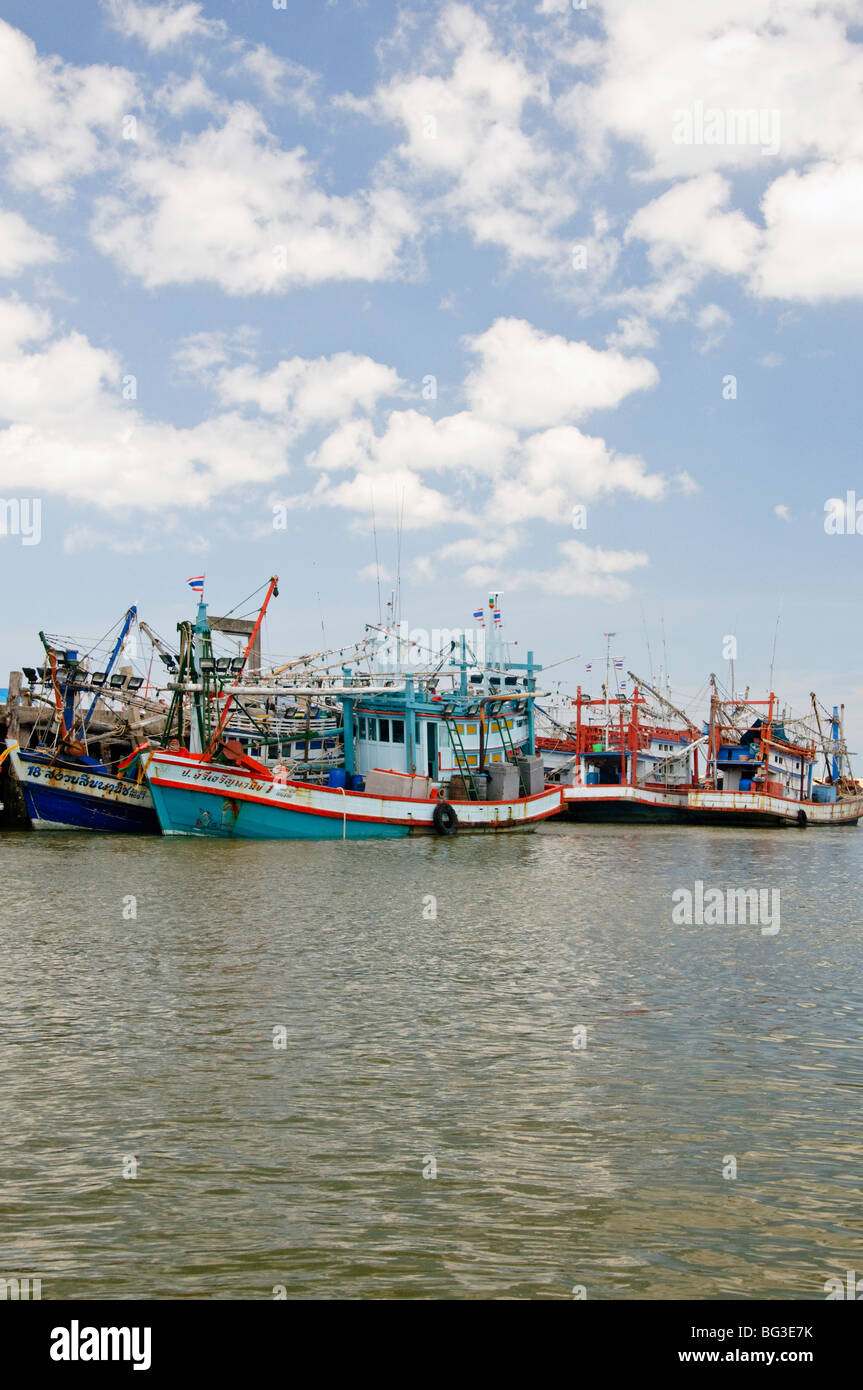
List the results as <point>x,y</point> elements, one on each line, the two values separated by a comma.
<point>229,206</point>
<point>585,571</point>
<point>689,221</point>
<point>311,392</point>
<point>786,74</point>
<point>159,27</point>
<point>21,245</point>
<point>279,79</point>
<point>58,122</point>
<point>530,379</point>
<point>70,431</point>
<point>462,106</point>
<point>813,240</point>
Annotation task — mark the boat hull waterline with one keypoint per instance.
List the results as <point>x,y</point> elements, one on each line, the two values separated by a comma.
<point>705,807</point>
<point>60,796</point>
<point>209,799</point>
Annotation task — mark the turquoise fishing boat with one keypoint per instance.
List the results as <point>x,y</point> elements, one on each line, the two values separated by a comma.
<point>441,753</point>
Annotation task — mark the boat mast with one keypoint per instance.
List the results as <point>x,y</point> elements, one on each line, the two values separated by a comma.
<point>272,591</point>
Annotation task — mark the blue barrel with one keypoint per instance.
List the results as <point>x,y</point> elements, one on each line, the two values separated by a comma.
<point>338,777</point>
<point>358,782</point>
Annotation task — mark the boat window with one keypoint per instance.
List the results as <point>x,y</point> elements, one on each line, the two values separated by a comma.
<point>373,731</point>
<point>361,726</point>
<point>398,731</point>
<point>384,734</point>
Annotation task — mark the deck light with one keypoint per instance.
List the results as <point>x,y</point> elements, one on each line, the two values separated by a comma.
<point>237,663</point>
<point>135,682</point>
<point>223,664</point>
<point>117,682</point>
<point>98,678</point>
<point>31,674</point>
<point>207,665</point>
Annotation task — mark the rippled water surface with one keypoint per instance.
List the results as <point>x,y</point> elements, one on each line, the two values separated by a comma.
<point>413,1043</point>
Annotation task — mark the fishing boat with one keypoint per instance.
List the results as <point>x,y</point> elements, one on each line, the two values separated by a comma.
<point>615,764</point>
<point>748,764</point>
<point>760,772</point>
<point>447,751</point>
<point>63,786</point>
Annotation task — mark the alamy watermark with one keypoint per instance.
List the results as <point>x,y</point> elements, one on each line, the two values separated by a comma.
<point>715,907</point>
<point>21,1287</point>
<point>21,516</point>
<point>843,516</point>
<point>713,125</point>
<point>416,646</point>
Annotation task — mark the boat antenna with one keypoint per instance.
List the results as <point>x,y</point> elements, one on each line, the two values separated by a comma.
<point>398,603</point>
<point>773,653</point>
<point>377,562</point>
<point>647,640</point>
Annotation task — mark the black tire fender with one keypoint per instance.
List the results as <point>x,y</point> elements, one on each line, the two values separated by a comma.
<point>444,819</point>
<point>802,819</point>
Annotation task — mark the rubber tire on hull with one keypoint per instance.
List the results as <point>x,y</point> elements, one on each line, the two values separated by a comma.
<point>444,819</point>
<point>802,819</point>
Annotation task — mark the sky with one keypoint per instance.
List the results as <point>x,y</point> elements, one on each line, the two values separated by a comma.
<point>552,300</point>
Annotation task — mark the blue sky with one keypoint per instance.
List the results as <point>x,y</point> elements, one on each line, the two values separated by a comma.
<point>321,207</point>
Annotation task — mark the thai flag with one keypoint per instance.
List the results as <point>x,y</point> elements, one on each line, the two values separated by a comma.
<point>588,667</point>
<point>197,583</point>
<point>480,616</point>
<point>618,665</point>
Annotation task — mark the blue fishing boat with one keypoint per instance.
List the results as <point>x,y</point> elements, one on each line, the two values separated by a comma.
<point>63,786</point>
<point>69,792</point>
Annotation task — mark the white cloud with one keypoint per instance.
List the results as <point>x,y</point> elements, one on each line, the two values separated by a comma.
<point>311,392</point>
<point>399,498</point>
<point>585,571</point>
<point>633,331</point>
<point>562,467</point>
<point>464,109</point>
<point>376,573</point>
<point>71,432</point>
<point>782,511</point>
<point>21,323</point>
<point>461,444</point>
<point>279,79</point>
<point>713,321</point>
<point>21,245</point>
<point>160,27</point>
<point>748,56</point>
<point>180,95</point>
<point>688,222</point>
<point>530,379</point>
<point>58,122</point>
<point>813,243</point>
<point>230,207</point>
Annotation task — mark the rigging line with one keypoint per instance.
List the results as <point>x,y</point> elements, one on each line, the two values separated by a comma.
<point>111,629</point>
<point>245,600</point>
<point>562,662</point>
